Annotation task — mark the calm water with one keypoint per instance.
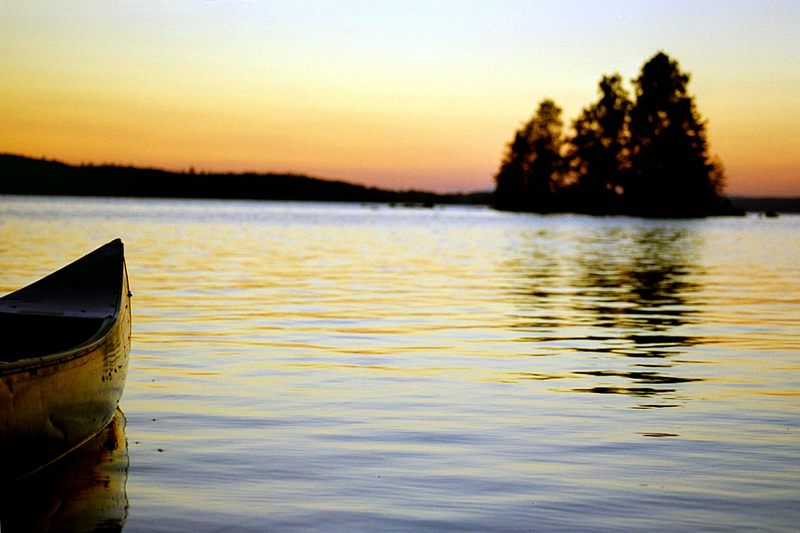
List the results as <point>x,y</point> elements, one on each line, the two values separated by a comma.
<point>339,367</point>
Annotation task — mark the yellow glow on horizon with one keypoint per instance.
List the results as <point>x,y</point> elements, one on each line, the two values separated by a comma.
<point>421,97</point>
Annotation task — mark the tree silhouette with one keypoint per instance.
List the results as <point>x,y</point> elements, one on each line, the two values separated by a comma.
<point>648,158</point>
<point>672,172</point>
<point>599,148</point>
<point>533,168</point>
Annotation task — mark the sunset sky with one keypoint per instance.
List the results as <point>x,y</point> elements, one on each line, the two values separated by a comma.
<point>398,94</point>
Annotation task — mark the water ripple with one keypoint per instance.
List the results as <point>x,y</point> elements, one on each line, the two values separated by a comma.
<point>313,367</point>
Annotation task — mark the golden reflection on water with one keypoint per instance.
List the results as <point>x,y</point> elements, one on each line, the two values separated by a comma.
<point>296,365</point>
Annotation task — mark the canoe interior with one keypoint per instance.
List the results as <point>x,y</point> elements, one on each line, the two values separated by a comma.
<point>64,310</point>
<point>27,336</point>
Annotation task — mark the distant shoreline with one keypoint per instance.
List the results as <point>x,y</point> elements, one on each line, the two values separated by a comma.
<point>29,176</point>
<point>24,175</point>
<point>765,204</point>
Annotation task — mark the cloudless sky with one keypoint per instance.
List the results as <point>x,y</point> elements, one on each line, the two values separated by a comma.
<point>399,94</point>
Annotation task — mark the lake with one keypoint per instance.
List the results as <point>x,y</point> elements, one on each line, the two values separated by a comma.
<point>323,367</point>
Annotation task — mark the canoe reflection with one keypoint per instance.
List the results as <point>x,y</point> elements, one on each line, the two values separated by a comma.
<point>84,491</point>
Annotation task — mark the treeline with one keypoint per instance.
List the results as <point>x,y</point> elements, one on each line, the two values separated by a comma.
<point>27,176</point>
<point>646,156</point>
<point>766,205</point>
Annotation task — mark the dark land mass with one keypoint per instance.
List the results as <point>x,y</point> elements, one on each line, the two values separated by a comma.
<point>642,154</point>
<point>27,176</point>
<point>766,205</point>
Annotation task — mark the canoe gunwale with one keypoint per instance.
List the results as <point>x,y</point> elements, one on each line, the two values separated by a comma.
<point>64,356</point>
<point>84,347</point>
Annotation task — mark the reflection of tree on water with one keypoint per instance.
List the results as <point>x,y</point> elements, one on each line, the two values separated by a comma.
<point>652,289</point>
<point>83,491</point>
<point>622,291</point>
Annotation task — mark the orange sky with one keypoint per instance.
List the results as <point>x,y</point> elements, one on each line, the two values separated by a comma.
<point>412,94</point>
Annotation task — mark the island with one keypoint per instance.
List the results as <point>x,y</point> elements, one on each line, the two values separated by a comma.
<point>645,157</point>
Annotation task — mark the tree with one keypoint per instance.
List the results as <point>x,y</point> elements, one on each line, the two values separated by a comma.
<point>648,158</point>
<point>673,174</point>
<point>533,168</point>
<point>598,154</point>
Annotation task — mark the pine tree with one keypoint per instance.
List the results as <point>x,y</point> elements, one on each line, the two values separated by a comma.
<point>673,174</point>
<point>598,154</point>
<point>532,170</point>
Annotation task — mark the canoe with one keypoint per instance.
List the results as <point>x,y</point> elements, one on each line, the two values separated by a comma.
<point>63,359</point>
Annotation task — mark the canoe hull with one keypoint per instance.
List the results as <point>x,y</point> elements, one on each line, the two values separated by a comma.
<point>51,405</point>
